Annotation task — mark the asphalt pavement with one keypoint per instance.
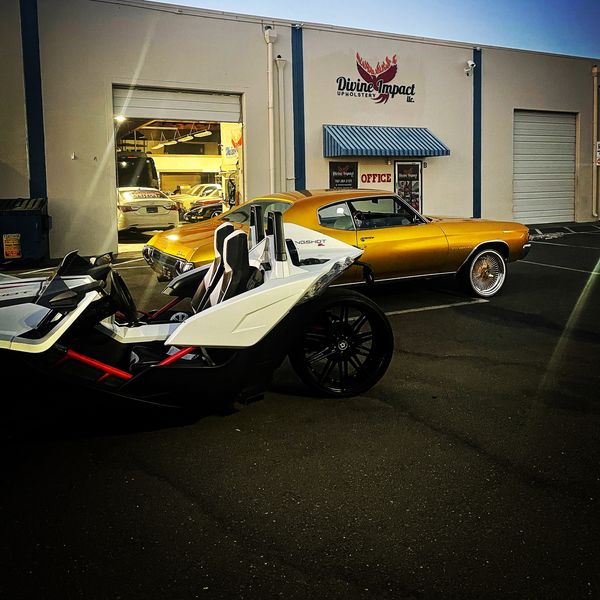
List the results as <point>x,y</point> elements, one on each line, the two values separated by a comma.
<point>472,470</point>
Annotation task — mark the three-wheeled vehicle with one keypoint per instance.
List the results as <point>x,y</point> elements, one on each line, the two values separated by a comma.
<point>227,325</point>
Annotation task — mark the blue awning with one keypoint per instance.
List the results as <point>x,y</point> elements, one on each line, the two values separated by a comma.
<point>373,140</point>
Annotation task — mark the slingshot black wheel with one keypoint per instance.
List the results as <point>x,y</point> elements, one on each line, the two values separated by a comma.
<point>345,347</point>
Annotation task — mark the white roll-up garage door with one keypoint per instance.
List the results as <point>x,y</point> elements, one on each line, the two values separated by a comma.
<point>147,103</point>
<point>544,167</point>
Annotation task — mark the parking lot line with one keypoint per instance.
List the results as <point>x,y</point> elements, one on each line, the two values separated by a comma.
<point>530,262</point>
<point>37,271</point>
<point>120,268</point>
<point>435,307</point>
<point>567,245</point>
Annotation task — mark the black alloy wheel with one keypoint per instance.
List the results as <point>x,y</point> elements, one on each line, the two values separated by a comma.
<point>345,347</point>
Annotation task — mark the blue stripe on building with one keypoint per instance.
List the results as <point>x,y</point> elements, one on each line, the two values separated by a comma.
<point>33,99</point>
<point>298,97</point>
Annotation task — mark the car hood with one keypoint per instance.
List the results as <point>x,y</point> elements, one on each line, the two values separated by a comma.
<point>481,224</point>
<point>189,242</point>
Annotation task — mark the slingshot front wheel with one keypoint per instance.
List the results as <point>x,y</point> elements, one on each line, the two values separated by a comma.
<point>345,346</point>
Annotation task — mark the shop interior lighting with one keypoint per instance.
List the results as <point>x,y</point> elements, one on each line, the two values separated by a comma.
<point>203,133</point>
<point>161,142</point>
<point>120,118</point>
<point>169,143</point>
<point>185,138</point>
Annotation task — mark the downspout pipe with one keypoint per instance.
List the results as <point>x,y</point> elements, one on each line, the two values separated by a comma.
<point>281,62</point>
<point>594,149</point>
<point>270,38</point>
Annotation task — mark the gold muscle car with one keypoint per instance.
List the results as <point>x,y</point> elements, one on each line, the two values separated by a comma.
<point>398,242</point>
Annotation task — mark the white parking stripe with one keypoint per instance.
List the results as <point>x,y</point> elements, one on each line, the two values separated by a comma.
<point>37,271</point>
<point>120,268</point>
<point>530,262</point>
<point>566,245</point>
<point>126,262</point>
<point>434,307</point>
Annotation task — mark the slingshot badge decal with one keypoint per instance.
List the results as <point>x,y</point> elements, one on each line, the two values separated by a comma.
<point>320,242</point>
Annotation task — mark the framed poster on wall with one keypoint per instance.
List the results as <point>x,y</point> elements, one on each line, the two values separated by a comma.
<point>408,183</point>
<point>343,175</point>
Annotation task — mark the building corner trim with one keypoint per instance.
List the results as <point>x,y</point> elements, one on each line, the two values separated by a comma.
<point>298,103</point>
<point>32,79</point>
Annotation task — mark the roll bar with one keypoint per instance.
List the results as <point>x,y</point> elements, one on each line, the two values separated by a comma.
<point>257,224</point>
<point>275,228</point>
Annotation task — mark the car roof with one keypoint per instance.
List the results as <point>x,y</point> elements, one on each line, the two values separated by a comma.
<point>319,197</point>
<point>133,189</point>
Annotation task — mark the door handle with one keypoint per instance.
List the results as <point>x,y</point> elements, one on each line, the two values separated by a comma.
<point>367,237</point>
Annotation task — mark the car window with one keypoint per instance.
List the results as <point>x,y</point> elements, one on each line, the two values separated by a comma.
<point>208,191</point>
<point>388,211</point>
<point>336,216</point>
<point>242,214</point>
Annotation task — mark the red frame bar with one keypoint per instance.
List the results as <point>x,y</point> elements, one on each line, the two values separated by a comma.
<point>92,362</point>
<point>175,357</point>
<point>164,309</point>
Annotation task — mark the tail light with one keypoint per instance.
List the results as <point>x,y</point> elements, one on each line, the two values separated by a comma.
<point>128,208</point>
<point>172,206</point>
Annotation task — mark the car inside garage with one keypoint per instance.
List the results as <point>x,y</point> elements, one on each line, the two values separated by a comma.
<point>187,145</point>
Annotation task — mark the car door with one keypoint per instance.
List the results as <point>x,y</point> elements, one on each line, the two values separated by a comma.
<point>397,241</point>
<point>336,221</point>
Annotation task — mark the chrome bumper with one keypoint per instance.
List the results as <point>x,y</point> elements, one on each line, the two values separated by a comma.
<point>165,265</point>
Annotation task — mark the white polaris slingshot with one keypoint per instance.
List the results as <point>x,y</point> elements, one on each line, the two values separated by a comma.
<point>252,306</point>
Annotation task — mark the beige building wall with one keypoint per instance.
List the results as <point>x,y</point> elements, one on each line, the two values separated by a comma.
<point>443,103</point>
<point>87,47</point>
<point>14,170</point>
<point>524,80</point>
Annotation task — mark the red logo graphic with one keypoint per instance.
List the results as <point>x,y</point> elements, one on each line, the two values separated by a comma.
<point>383,73</point>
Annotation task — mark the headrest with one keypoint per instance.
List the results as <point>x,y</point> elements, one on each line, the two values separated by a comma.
<point>221,232</point>
<point>235,254</point>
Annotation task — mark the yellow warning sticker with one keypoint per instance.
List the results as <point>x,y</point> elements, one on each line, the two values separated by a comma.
<point>12,245</point>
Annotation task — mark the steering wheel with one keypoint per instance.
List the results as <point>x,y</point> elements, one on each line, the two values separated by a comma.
<point>121,296</point>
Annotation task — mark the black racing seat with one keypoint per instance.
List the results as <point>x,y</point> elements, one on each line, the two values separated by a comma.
<point>231,275</point>
<point>238,275</point>
<point>214,274</point>
<point>236,269</point>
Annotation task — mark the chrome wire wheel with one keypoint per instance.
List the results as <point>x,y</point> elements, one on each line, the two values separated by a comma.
<point>345,347</point>
<point>487,272</point>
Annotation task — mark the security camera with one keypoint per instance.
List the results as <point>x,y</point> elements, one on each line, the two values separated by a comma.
<point>470,66</point>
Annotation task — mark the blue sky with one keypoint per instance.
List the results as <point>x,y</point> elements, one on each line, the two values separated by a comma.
<point>549,26</point>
